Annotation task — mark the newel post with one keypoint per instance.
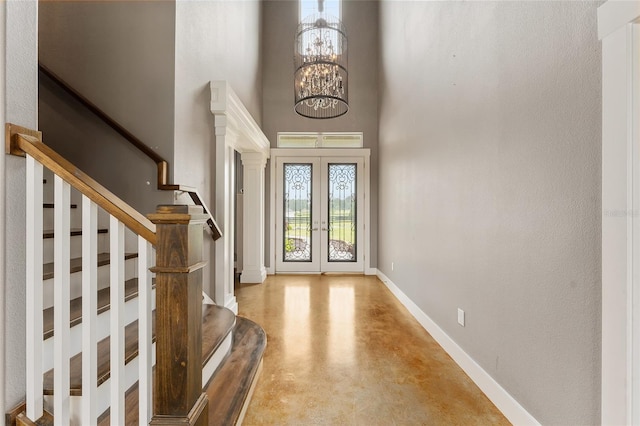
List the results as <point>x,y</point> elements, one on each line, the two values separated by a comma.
<point>178,396</point>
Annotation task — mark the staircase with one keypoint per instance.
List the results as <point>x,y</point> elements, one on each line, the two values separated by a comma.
<point>111,339</point>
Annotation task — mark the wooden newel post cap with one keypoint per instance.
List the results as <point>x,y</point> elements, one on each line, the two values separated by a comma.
<point>177,214</point>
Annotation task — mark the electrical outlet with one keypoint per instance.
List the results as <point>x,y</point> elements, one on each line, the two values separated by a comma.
<point>461,317</point>
<point>391,266</point>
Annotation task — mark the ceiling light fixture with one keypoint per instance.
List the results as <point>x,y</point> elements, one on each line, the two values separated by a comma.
<point>320,59</point>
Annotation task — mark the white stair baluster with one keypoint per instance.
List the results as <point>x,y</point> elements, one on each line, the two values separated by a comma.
<point>61,296</point>
<point>117,267</point>
<point>34,261</point>
<point>145,390</point>
<point>89,310</point>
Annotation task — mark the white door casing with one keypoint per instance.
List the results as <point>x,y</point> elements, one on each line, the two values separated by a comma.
<point>618,29</point>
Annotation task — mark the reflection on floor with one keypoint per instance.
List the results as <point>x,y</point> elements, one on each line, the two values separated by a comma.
<point>341,350</point>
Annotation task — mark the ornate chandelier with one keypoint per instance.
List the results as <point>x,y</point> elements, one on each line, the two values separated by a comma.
<point>321,77</point>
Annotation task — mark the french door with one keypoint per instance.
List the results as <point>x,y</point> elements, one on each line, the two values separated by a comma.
<point>319,214</point>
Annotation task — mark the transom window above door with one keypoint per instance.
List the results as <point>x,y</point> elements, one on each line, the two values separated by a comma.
<point>320,140</point>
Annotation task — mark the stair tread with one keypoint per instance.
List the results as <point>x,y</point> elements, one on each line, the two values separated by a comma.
<point>230,385</point>
<point>52,205</point>
<point>131,398</point>
<point>76,264</point>
<point>212,317</point>
<point>45,420</point>
<point>49,233</point>
<point>130,352</point>
<point>130,292</point>
<point>227,390</point>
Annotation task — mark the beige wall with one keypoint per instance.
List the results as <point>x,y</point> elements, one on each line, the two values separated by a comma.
<point>360,19</point>
<point>489,190</point>
<point>20,106</point>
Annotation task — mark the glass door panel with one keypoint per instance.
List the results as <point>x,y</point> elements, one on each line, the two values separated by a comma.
<point>297,199</point>
<point>298,215</point>
<point>342,219</point>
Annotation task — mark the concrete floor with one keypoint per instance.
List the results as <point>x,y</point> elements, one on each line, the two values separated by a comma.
<point>341,350</point>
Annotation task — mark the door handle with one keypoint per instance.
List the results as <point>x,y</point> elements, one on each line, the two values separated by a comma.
<point>325,229</point>
<point>314,229</point>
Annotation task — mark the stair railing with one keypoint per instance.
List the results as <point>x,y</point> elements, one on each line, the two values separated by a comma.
<point>28,143</point>
<point>161,164</point>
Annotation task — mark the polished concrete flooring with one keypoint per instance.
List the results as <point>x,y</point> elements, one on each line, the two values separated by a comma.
<point>341,350</point>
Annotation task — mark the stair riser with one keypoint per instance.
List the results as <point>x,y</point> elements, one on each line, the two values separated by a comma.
<point>48,218</point>
<point>216,359</point>
<point>102,330</point>
<point>75,246</point>
<point>103,397</point>
<point>76,281</point>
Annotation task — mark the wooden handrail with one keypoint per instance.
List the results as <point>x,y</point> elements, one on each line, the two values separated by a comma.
<point>161,164</point>
<point>21,141</point>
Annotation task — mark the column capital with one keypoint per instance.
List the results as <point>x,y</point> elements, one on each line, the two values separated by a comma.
<point>254,158</point>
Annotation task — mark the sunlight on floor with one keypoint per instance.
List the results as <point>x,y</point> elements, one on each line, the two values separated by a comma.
<point>341,350</point>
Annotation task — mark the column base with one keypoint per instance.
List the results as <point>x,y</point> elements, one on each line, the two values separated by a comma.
<point>232,305</point>
<point>198,416</point>
<point>253,276</point>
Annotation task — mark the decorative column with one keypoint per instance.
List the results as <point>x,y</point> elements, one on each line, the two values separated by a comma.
<point>236,130</point>
<point>178,396</point>
<point>253,270</point>
<point>225,214</point>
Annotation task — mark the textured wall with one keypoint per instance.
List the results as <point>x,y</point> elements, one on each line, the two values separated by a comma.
<point>360,19</point>
<point>215,40</point>
<point>120,55</point>
<point>2,206</point>
<point>489,189</point>
<point>21,107</point>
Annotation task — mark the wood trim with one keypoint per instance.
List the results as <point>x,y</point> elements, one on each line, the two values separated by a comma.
<point>132,219</point>
<point>178,270</point>
<point>216,233</point>
<point>11,415</point>
<point>11,129</point>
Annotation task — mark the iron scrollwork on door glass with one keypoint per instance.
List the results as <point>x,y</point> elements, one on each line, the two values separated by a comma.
<point>342,213</point>
<point>297,213</point>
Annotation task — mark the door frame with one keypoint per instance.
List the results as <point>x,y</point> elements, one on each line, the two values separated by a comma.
<point>346,153</point>
<point>619,31</point>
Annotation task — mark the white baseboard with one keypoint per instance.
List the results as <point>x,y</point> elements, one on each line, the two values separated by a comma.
<point>511,409</point>
<point>253,276</point>
<point>371,271</point>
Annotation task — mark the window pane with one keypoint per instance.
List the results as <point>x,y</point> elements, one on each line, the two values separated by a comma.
<point>310,7</point>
